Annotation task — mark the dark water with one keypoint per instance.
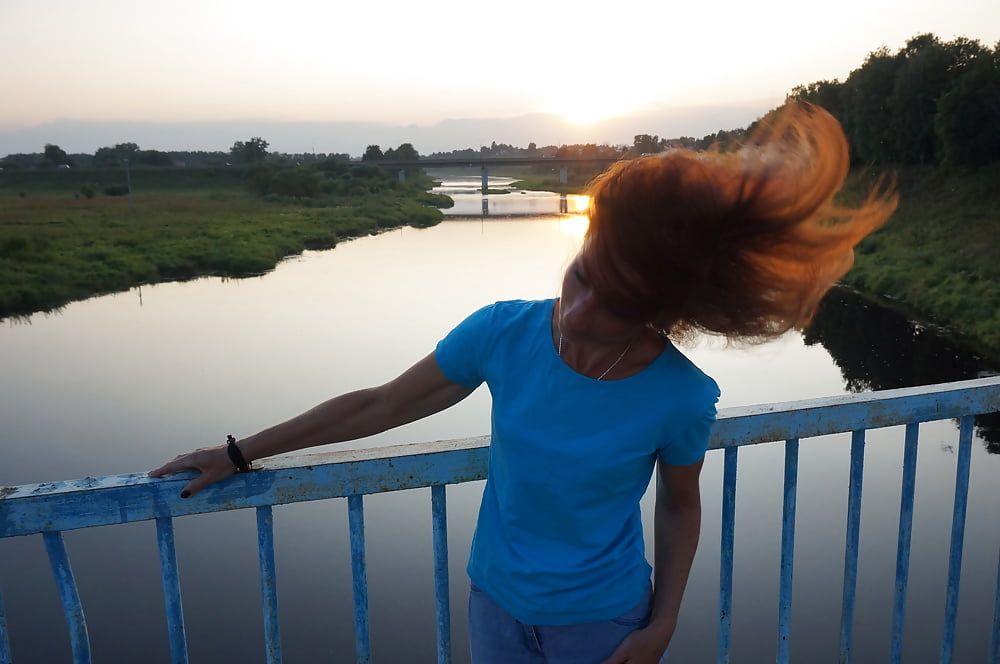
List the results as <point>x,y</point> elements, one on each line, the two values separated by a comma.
<point>119,384</point>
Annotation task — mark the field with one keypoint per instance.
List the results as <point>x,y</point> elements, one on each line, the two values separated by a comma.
<point>57,245</point>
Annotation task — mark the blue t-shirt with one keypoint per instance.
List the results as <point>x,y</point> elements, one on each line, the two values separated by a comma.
<point>559,539</point>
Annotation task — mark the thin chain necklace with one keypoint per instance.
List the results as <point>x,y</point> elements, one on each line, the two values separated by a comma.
<point>613,364</point>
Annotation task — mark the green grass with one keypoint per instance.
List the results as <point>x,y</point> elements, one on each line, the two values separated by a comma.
<point>144,180</point>
<point>938,258</point>
<point>577,182</point>
<point>55,248</point>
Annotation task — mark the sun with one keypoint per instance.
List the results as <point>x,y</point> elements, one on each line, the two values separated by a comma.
<point>585,108</point>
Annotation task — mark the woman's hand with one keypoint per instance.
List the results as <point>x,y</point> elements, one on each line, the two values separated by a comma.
<point>212,462</point>
<point>643,646</point>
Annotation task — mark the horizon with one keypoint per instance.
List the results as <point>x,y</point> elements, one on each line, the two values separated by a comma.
<point>333,79</point>
<point>84,137</point>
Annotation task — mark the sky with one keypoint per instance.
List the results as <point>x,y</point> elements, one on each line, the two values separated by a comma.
<point>587,67</point>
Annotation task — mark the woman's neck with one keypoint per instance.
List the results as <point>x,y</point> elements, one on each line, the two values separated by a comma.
<point>623,357</point>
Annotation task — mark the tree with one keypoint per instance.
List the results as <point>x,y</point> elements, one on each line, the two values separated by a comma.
<point>372,153</point>
<point>406,152</point>
<point>925,71</point>
<point>867,120</point>
<point>54,156</point>
<point>532,147</point>
<point>968,115</point>
<point>827,94</point>
<point>113,156</point>
<point>645,144</point>
<point>253,151</point>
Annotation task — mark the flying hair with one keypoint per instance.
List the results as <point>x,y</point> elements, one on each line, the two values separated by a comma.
<point>743,243</point>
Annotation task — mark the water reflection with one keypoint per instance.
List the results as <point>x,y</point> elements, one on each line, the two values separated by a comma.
<point>506,200</point>
<point>109,387</point>
<point>877,348</point>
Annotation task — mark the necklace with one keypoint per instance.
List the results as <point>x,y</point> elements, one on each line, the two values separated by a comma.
<point>613,364</point>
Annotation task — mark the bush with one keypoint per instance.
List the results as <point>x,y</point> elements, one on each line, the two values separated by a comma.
<point>116,190</point>
<point>13,245</point>
<point>333,166</point>
<point>88,191</point>
<point>299,182</point>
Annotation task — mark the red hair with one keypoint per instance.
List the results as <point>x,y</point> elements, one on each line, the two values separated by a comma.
<point>742,244</point>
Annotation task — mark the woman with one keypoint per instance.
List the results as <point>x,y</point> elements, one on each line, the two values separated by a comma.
<point>590,393</point>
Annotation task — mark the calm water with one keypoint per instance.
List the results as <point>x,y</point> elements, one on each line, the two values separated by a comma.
<point>121,383</point>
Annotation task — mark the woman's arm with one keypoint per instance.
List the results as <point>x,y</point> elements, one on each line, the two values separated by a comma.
<point>420,391</point>
<point>676,527</point>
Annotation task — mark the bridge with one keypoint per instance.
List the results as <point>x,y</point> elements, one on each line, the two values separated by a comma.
<point>47,510</point>
<point>485,163</point>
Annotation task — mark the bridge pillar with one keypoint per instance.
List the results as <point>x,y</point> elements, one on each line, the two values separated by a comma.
<point>402,175</point>
<point>563,175</point>
<point>485,175</point>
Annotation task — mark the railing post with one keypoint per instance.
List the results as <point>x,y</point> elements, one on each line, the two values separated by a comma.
<point>362,636</point>
<point>70,596</point>
<point>5,656</point>
<point>726,564</point>
<point>995,640</point>
<point>484,175</point>
<point>957,536</point>
<point>268,584</point>
<point>787,549</point>
<point>851,548</point>
<point>903,544</point>
<point>171,590</point>
<point>439,517</point>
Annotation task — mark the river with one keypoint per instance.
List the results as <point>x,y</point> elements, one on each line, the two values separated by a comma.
<point>121,383</point>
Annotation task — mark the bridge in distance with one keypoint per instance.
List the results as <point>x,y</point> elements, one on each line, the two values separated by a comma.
<point>484,164</point>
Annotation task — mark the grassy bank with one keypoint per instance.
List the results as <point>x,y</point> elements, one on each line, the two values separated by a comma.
<point>57,246</point>
<point>937,260</point>
<point>144,180</point>
<point>576,182</point>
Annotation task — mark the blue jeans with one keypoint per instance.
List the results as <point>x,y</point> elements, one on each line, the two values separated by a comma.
<point>496,637</point>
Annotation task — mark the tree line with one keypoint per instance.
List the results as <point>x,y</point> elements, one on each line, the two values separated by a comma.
<point>931,102</point>
<point>252,152</point>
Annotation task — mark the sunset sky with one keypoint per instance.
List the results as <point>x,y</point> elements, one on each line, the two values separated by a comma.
<point>419,63</point>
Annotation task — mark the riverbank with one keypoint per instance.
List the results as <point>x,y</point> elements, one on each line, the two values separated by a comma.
<point>937,258</point>
<point>57,246</point>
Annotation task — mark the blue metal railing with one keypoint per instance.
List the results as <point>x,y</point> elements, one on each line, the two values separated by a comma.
<point>51,508</point>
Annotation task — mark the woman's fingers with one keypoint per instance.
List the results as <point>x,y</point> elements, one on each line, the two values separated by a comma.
<point>178,464</point>
<point>213,464</point>
<point>190,461</point>
<point>198,483</point>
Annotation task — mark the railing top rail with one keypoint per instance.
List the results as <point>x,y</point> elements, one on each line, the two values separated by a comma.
<point>34,508</point>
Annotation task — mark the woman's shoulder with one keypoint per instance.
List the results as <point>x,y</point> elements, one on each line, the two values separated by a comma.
<point>698,384</point>
<point>512,313</point>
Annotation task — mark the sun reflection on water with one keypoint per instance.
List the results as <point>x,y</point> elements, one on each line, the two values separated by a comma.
<point>575,225</point>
